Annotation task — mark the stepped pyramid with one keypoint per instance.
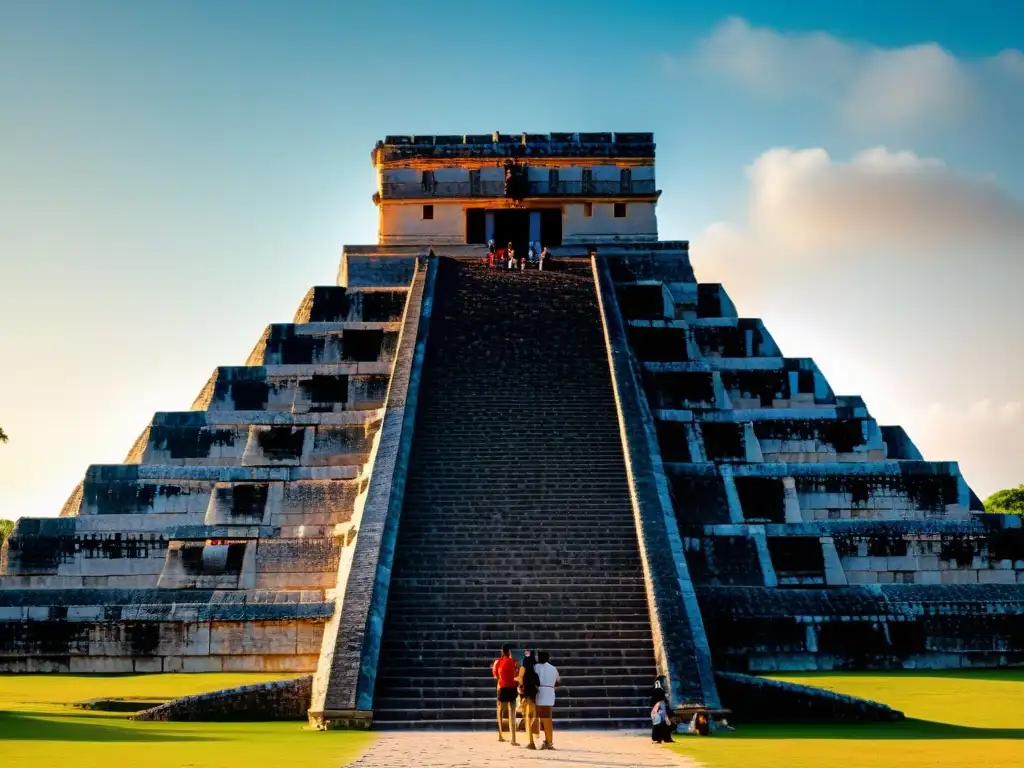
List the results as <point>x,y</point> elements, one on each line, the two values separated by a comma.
<point>600,458</point>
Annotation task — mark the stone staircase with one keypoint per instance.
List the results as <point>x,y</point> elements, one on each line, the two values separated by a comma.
<point>517,524</point>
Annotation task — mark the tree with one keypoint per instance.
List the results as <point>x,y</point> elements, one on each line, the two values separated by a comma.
<point>3,437</point>
<point>6,526</point>
<point>1009,501</point>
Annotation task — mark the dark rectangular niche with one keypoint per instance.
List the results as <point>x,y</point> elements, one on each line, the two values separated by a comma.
<point>293,348</point>
<point>362,346</point>
<point>245,499</point>
<point>681,389</point>
<point>661,345</point>
<point>281,442</point>
<point>641,302</point>
<point>326,389</point>
<point>797,555</point>
<point>762,499</point>
<point>330,304</point>
<point>673,441</point>
<point>383,306</point>
<point>699,500</point>
<point>723,440</point>
<point>189,442</point>
<point>248,395</point>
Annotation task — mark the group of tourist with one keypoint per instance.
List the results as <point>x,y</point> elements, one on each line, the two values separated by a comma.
<point>529,690</point>
<point>506,258</point>
<point>526,692</point>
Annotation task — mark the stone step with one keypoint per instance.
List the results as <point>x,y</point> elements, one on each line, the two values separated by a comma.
<point>544,638</point>
<point>477,676</point>
<point>517,627</point>
<point>535,543</point>
<point>445,653</point>
<point>482,723</point>
<point>632,712</point>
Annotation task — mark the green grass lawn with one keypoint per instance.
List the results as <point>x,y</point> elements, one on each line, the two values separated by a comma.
<point>38,727</point>
<point>954,719</point>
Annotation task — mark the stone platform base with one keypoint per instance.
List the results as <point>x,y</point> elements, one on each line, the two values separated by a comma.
<point>341,719</point>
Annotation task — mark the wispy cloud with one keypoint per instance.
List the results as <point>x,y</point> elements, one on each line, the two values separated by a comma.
<point>802,202</point>
<point>865,85</point>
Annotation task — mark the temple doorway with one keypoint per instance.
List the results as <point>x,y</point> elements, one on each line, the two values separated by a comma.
<point>512,225</point>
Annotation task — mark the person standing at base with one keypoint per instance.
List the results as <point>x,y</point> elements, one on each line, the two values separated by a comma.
<point>504,671</point>
<point>548,680</point>
<point>528,686</point>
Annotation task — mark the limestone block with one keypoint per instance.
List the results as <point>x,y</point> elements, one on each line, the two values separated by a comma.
<point>85,612</point>
<point>196,640</point>
<point>231,638</point>
<point>149,666</point>
<point>202,664</point>
<point>928,577</point>
<point>173,664</point>
<point>996,577</point>
<point>885,577</point>
<point>309,637</point>
<point>862,577</point>
<point>902,563</point>
<point>38,613</point>
<point>13,613</point>
<point>1006,565</point>
<point>928,562</point>
<point>247,663</point>
<point>857,563</point>
<point>879,564</point>
<point>100,665</point>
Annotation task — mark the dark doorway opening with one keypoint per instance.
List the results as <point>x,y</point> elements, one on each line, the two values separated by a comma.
<point>512,225</point>
<point>476,226</point>
<point>550,227</point>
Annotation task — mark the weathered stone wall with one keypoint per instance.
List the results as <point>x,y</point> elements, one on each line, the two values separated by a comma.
<point>760,700</point>
<point>276,700</point>
<point>217,546</point>
<point>346,674</point>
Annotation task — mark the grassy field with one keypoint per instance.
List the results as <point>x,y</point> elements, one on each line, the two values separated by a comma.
<point>38,727</point>
<point>954,719</point>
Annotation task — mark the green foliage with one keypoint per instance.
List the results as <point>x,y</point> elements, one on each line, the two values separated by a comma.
<point>3,436</point>
<point>1009,501</point>
<point>6,526</point>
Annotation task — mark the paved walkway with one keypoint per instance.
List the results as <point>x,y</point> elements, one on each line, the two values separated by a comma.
<point>575,749</point>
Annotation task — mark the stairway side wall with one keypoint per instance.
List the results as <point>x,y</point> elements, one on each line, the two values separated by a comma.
<point>344,682</point>
<point>681,646</point>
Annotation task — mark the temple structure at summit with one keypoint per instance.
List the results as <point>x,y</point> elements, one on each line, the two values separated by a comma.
<point>602,458</point>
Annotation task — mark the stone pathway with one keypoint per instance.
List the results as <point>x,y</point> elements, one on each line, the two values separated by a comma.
<point>575,749</point>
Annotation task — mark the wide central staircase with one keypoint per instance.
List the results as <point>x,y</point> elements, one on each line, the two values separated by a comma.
<point>517,525</point>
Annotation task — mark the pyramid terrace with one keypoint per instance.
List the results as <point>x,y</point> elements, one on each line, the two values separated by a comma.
<point>601,458</point>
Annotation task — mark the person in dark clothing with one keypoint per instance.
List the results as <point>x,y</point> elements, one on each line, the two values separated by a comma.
<point>661,720</point>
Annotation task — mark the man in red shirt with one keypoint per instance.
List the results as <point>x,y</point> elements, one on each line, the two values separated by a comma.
<point>504,670</point>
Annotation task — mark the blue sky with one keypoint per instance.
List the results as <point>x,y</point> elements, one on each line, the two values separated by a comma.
<point>175,175</point>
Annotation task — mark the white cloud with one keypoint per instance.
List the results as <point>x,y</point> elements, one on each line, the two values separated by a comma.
<point>802,200</point>
<point>868,86</point>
